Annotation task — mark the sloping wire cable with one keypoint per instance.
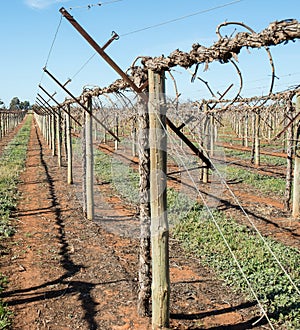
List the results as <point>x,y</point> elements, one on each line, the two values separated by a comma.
<point>223,181</point>
<point>217,225</point>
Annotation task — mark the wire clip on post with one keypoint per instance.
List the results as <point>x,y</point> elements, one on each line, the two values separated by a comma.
<point>114,36</point>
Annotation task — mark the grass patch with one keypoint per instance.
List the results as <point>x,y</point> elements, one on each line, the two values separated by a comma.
<point>264,183</point>
<point>200,236</point>
<point>12,162</point>
<point>124,179</point>
<point>192,225</point>
<point>246,155</point>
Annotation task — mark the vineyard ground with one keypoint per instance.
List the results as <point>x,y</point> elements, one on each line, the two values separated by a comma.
<point>265,210</point>
<point>69,273</point>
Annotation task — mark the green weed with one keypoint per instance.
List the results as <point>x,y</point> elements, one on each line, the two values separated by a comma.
<point>200,236</point>
<point>125,180</point>
<point>12,162</point>
<point>264,183</point>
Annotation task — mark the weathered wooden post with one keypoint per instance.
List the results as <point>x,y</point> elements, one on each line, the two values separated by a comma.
<point>117,132</point>
<point>158,202</point>
<point>212,135</point>
<point>289,156</point>
<point>69,146</point>
<point>206,143</point>
<point>296,189</point>
<point>133,136</point>
<point>257,139</point>
<point>246,131</point>
<point>1,126</point>
<point>53,139</point>
<point>58,137</point>
<point>89,162</point>
<point>144,204</point>
<point>83,162</point>
<point>49,139</point>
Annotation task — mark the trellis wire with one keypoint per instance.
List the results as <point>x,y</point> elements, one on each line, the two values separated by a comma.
<point>251,222</point>
<point>220,231</point>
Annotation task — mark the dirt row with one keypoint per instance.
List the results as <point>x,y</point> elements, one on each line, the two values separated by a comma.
<point>69,273</point>
<point>264,211</point>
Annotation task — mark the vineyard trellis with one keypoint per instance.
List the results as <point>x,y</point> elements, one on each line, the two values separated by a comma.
<point>277,112</point>
<point>9,119</point>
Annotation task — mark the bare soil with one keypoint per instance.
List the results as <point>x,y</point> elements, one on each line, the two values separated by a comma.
<point>66,272</point>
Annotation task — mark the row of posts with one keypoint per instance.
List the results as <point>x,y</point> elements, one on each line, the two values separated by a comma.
<point>156,225</point>
<point>291,147</point>
<point>9,120</point>
<point>50,124</point>
<point>56,129</point>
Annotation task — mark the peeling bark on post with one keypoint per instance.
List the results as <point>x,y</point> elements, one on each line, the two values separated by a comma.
<point>133,133</point>
<point>212,135</point>
<point>257,139</point>
<point>296,190</point>
<point>206,142</point>
<point>289,158</point>
<point>246,131</point>
<point>58,137</point>
<point>53,139</point>
<point>144,193</point>
<point>83,162</point>
<point>69,146</point>
<point>89,163</point>
<point>65,136</point>
<point>117,132</point>
<point>158,202</point>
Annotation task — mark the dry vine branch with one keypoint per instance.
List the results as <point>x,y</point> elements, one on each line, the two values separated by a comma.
<point>223,50</point>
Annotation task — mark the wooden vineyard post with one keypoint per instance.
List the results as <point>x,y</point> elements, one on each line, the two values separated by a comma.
<point>158,202</point>
<point>296,189</point>
<point>144,203</point>
<point>49,121</point>
<point>42,120</point>
<point>117,132</point>
<point>257,139</point>
<point>65,135</point>
<point>89,163</point>
<point>69,146</point>
<point>246,131</point>
<point>212,134</point>
<point>53,140</point>
<point>133,136</point>
<point>1,126</point>
<point>289,157</point>
<point>206,143</point>
<point>58,137</point>
<point>83,162</point>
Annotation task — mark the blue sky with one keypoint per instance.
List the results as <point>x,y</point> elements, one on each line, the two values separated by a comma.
<point>27,29</point>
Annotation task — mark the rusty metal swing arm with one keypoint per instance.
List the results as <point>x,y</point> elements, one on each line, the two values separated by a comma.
<point>98,49</point>
<point>46,104</point>
<point>60,106</point>
<point>82,105</point>
<point>139,90</point>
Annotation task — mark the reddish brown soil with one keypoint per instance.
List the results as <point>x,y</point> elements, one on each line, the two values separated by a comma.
<point>248,149</point>
<point>266,212</point>
<point>69,273</point>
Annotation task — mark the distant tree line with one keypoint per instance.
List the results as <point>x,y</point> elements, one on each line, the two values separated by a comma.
<point>16,104</point>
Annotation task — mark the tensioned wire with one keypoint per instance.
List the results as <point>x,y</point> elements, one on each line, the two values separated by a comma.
<point>223,181</point>
<point>184,155</point>
<point>220,231</point>
<point>160,24</point>
<point>51,48</point>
